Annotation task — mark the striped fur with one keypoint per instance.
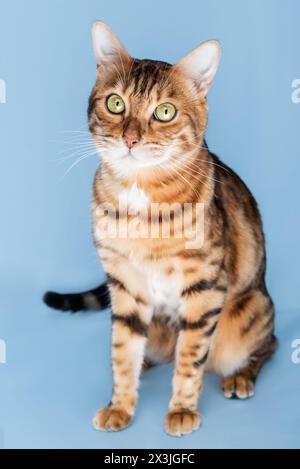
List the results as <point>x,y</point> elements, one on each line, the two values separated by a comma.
<point>96,299</point>
<point>207,307</point>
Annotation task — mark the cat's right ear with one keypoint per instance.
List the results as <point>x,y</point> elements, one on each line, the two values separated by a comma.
<point>107,47</point>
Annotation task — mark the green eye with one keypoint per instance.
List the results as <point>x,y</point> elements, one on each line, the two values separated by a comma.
<point>165,112</point>
<point>115,104</point>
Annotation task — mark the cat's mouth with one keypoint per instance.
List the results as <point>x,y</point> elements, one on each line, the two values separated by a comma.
<point>143,158</point>
<point>137,158</point>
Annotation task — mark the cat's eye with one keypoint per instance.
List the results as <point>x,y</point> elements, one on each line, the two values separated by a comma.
<point>115,104</point>
<point>165,112</point>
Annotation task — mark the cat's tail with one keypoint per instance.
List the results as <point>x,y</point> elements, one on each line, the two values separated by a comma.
<point>91,300</point>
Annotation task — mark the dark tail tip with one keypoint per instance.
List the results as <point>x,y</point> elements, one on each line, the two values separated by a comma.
<point>54,300</point>
<point>92,300</point>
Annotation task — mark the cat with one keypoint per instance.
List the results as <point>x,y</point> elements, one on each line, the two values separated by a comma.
<point>205,305</point>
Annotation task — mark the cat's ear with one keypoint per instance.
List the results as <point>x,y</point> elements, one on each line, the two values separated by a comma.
<point>107,47</point>
<point>201,65</point>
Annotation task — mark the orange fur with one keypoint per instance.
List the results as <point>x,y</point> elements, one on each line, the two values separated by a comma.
<point>208,305</point>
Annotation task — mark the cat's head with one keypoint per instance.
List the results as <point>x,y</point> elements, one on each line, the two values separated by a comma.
<point>148,114</point>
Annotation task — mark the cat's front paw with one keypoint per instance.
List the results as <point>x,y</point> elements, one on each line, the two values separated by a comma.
<point>110,419</point>
<point>182,422</point>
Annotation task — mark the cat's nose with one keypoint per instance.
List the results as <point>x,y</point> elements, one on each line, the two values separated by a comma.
<point>132,132</point>
<point>131,139</point>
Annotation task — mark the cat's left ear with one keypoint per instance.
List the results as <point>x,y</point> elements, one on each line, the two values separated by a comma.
<point>201,65</point>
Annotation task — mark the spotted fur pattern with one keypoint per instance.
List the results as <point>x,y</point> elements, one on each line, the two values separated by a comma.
<point>208,308</point>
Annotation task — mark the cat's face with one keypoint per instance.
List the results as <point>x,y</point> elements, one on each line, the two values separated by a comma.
<point>146,113</point>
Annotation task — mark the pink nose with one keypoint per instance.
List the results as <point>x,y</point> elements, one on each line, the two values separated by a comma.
<point>131,140</point>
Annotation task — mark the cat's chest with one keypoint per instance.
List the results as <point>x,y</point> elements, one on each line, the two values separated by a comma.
<point>164,289</point>
<point>134,199</point>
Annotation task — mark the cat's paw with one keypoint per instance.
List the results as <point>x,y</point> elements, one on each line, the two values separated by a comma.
<point>110,419</point>
<point>182,422</point>
<point>238,386</point>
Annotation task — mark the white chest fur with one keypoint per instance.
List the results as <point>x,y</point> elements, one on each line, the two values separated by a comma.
<point>134,199</point>
<point>164,289</point>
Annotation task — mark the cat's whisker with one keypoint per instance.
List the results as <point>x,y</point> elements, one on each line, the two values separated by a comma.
<point>74,141</point>
<point>75,154</point>
<point>79,160</point>
<point>82,147</point>
<point>78,152</point>
<point>207,161</point>
<point>190,172</point>
<point>191,162</point>
<point>174,179</point>
<point>81,141</point>
<point>75,147</point>
<point>176,169</point>
<point>191,165</point>
<point>74,131</point>
<point>76,137</point>
<point>195,164</point>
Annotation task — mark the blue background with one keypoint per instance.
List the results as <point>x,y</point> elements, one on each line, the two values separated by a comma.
<point>58,367</point>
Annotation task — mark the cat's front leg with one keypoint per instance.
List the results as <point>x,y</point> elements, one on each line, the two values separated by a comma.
<point>131,316</point>
<point>200,311</point>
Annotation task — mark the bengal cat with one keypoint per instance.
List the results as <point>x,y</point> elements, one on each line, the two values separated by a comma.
<point>205,305</point>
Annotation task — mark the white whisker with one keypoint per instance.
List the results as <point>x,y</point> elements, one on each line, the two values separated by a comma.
<point>82,158</point>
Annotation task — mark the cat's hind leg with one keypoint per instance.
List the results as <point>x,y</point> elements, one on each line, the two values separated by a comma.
<point>243,340</point>
<point>241,384</point>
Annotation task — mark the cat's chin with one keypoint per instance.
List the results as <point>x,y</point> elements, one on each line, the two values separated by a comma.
<point>145,161</point>
<point>129,161</point>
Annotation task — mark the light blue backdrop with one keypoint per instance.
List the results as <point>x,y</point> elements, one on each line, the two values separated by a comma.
<point>57,371</point>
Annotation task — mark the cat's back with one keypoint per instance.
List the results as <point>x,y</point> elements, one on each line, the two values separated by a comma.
<point>243,232</point>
